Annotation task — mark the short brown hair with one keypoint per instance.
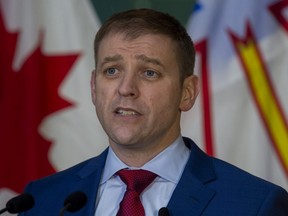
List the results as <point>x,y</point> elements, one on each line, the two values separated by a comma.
<point>134,23</point>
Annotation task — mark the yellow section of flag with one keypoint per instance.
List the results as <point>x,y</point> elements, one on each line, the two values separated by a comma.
<point>265,96</point>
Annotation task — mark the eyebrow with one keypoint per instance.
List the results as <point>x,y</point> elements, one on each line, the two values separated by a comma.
<point>141,57</point>
<point>114,58</point>
<point>149,60</point>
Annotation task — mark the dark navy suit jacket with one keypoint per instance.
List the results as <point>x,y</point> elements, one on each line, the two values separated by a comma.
<point>208,186</point>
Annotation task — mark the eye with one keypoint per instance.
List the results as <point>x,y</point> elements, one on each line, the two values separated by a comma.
<point>151,74</point>
<point>111,71</point>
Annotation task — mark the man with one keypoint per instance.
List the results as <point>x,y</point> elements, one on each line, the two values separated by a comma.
<point>143,80</point>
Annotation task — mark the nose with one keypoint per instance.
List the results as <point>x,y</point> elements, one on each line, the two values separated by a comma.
<point>128,86</point>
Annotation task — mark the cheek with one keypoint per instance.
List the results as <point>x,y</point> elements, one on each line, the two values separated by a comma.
<point>101,108</point>
<point>105,99</point>
<point>165,103</point>
<point>99,98</point>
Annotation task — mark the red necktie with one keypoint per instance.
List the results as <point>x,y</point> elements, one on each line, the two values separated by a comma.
<point>136,181</point>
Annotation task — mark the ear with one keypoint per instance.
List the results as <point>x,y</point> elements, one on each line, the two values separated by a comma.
<point>93,86</point>
<point>190,92</point>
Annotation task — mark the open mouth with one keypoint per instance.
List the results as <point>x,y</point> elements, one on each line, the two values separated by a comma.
<point>126,112</point>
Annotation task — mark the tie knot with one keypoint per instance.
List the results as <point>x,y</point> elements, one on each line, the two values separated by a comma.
<point>136,180</point>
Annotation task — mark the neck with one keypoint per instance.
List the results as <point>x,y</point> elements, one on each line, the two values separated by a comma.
<point>134,158</point>
<point>137,157</point>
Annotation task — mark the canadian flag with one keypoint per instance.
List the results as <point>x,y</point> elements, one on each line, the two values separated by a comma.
<point>47,120</point>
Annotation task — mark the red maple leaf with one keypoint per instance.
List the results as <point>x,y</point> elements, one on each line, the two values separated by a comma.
<point>26,97</point>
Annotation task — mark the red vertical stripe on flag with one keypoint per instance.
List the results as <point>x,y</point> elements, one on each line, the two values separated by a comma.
<point>201,48</point>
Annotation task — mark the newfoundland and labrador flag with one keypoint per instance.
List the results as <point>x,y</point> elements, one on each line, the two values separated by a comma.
<point>242,59</point>
<point>47,119</point>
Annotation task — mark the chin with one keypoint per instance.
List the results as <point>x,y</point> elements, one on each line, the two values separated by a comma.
<point>124,136</point>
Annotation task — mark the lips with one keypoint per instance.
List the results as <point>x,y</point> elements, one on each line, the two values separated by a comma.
<point>126,112</point>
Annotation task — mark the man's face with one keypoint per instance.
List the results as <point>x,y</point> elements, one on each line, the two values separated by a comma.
<point>137,92</point>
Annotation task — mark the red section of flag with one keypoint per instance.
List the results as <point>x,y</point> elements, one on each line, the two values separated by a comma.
<point>278,10</point>
<point>26,97</point>
<point>201,48</point>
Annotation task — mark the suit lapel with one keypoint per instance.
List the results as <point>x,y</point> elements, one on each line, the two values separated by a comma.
<point>89,179</point>
<point>191,195</point>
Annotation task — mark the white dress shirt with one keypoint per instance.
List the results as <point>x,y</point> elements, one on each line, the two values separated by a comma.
<point>168,165</point>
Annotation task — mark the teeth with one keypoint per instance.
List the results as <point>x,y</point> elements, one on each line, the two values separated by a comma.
<point>126,113</point>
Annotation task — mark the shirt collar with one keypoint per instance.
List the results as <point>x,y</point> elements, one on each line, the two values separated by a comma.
<point>174,156</point>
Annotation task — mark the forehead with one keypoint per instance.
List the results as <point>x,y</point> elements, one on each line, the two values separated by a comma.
<point>153,44</point>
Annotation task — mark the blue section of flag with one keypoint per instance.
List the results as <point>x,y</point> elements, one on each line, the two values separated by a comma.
<point>197,7</point>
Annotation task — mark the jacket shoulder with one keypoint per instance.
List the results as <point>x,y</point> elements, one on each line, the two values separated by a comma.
<point>237,192</point>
